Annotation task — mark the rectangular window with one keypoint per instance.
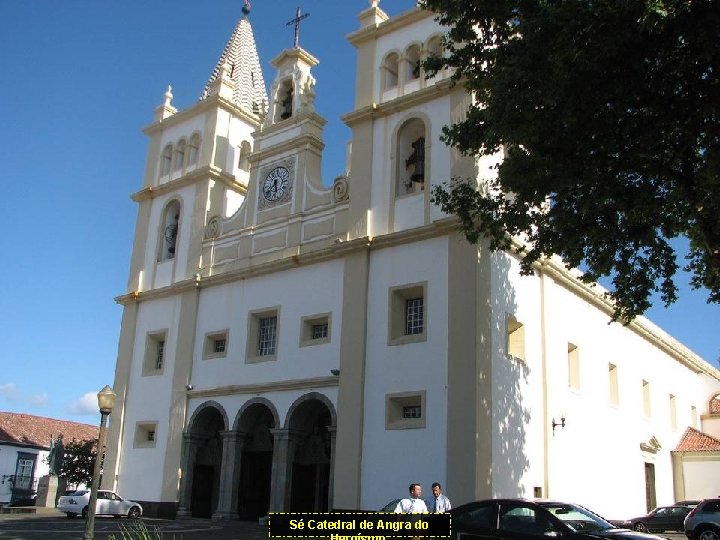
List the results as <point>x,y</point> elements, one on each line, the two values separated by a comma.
<point>266,336</point>
<point>263,335</point>
<point>573,362</point>
<point>219,345</point>
<point>613,385</point>
<point>151,435</point>
<point>24,473</point>
<point>155,352</point>
<point>411,411</point>
<point>646,399</point>
<point>407,307</point>
<point>515,338</point>
<point>693,417</point>
<point>414,316</point>
<point>673,413</point>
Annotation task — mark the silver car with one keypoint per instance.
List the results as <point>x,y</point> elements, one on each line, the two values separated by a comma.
<point>108,503</point>
<point>703,521</point>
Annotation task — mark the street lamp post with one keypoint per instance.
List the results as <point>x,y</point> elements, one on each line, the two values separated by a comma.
<point>106,400</point>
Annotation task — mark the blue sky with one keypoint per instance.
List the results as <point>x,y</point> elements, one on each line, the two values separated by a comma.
<point>78,81</point>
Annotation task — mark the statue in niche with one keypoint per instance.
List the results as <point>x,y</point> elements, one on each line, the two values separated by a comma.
<point>287,105</point>
<point>417,161</point>
<point>56,455</point>
<point>171,235</point>
<point>308,94</point>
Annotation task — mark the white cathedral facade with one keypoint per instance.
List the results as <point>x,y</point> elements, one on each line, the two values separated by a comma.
<point>291,346</point>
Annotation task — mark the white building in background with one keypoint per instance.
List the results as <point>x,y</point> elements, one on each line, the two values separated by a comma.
<point>290,346</point>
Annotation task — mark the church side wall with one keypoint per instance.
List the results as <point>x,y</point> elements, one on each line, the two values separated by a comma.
<point>394,458</point>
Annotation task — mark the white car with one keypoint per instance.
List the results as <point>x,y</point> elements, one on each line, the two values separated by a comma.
<point>108,504</point>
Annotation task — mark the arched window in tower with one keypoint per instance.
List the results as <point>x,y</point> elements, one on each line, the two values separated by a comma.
<point>412,59</point>
<point>243,162</point>
<point>390,68</point>
<point>179,155</point>
<point>166,160</point>
<point>169,231</point>
<point>193,149</point>
<point>435,47</point>
<point>411,162</point>
<point>284,101</point>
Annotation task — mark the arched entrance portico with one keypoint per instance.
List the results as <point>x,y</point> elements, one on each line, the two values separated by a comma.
<point>201,461</point>
<point>311,423</point>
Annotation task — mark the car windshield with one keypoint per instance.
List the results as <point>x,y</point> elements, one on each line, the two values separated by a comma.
<point>577,517</point>
<point>79,493</point>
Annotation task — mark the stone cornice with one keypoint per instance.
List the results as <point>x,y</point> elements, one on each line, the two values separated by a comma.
<point>202,173</point>
<point>274,386</point>
<point>202,106</point>
<point>307,140</point>
<point>401,103</point>
<point>386,27</point>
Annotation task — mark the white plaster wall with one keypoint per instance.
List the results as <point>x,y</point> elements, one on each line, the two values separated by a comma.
<point>302,291</point>
<point>700,475</point>
<point>8,466</point>
<point>599,449</point>
<point>148,399</point>
<point>392,459</point>
<point>518,416</point>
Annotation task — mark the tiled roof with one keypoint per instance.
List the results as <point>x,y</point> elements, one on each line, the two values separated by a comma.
<point>36,430</point>
<point>241,55</point>
<point>697,441</point>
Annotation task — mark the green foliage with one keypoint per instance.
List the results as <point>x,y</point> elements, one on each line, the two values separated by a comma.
<point>607,115</point>
<point>137,531</point>
<point>79,462</point>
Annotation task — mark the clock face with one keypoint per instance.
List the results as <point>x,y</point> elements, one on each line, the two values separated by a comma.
<point>276,184</point>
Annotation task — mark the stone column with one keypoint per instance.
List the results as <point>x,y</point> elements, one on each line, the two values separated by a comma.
<point>332,430</point>
<point>191,443</point>
<point>227,507</point>
<point>281,477</point>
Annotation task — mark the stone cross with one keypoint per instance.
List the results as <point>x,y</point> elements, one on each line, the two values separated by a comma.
<point>296,23</point>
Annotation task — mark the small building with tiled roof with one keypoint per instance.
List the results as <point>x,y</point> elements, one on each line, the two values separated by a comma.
<point>696,465</point>
<point>24,446</point>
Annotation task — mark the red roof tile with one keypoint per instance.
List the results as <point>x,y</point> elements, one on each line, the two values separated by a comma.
<point>697,441</point>
<point>36,430</point>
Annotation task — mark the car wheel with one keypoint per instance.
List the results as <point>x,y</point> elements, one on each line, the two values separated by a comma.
<point>71,515</point>
<point>707,533</point>
<point>640,527</point>
<point>85,512</point>
<point>134,512</point>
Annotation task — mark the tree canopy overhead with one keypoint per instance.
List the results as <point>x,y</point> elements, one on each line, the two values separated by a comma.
<point>607,115</point>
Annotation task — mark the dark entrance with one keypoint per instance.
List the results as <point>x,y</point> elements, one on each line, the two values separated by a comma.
<point>311,459</point>
<point>256,462</point>
<point>207,462</point>
<point>650,500</point>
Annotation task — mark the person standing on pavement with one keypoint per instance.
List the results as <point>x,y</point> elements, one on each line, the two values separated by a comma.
<point>438,502</point>
<point>414,504</point>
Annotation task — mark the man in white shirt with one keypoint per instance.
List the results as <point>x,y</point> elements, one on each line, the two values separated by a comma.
<point>438,502</point>
<point>413,505</point>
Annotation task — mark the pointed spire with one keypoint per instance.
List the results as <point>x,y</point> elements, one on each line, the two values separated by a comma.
<point>166,109</point>
<point>240,54</point>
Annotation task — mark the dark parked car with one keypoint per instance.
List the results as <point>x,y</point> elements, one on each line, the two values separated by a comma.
<point>663,518</point>
<point>519,519</point>
<point>703,521</point>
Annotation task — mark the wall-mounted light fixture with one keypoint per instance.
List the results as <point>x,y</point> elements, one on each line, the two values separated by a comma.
<point>335,372</point>
<point>560,424</point>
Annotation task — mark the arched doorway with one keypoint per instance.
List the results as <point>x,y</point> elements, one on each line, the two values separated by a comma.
<point>203,460</point>
<point>255,421</point>
<point>312,421</point>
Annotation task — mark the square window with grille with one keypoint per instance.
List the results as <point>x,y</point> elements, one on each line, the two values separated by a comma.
<point>315,329</point>
<point>404,410</point>
<point>145,434</point>
<point>151,435</point>
<point>267,330</point>
<point>319,331</point>
<point>414,316</point>
<point>216,345</point>
<point>219,345</point>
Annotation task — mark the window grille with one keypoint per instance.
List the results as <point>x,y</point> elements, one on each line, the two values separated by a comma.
<point>319,331</point>
<point>414,316</point>
<point>266,336</point>
<point>219,345</point>
<point>160,354</point>
<point>412,411</point>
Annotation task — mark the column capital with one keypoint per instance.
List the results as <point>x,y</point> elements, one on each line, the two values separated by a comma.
<point>285,434</point>
<point>193,438</point>
<point>234,435</point>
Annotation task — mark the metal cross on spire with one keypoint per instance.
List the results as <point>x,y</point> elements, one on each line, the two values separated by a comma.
<point>296,22</point>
